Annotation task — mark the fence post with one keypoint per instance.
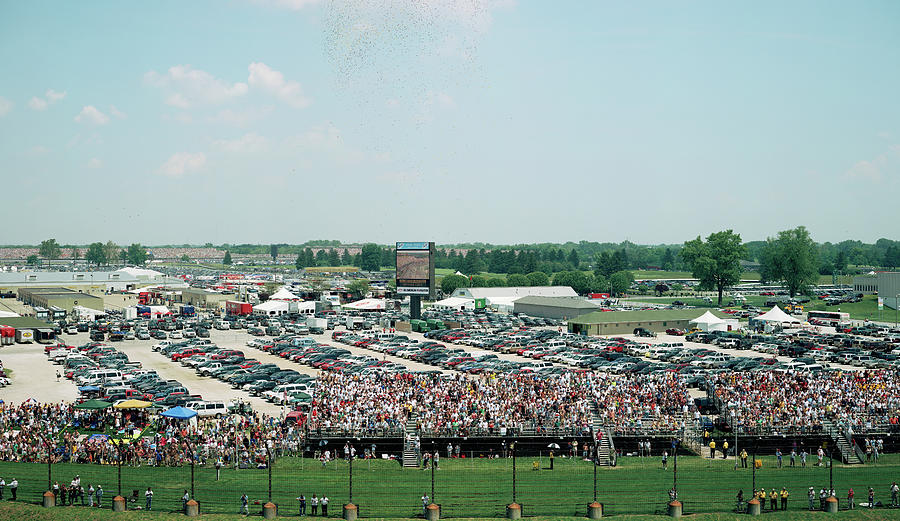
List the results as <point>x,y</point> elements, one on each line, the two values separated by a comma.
<point>513,510</point>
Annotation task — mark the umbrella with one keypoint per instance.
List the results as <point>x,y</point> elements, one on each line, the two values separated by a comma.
<point>323,443</point>
<point>132,404</point>
<point>179,413</point>
<point>93,404</point>
<point>553,446</point>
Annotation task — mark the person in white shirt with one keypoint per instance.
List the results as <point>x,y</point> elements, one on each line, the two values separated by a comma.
<point>149,495</point>
<point>424,503</point>
<point>324,502</point>
<point>2,486</point>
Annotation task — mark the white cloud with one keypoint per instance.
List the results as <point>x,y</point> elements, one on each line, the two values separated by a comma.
<point>182,163</point>
<point>265,78</point>
<point>95,163</point>
<point>37,103</point>
<point>5,106</point>
<point>51,96</point>
<point>875,169</point>
<point>189,87</point>
<point>248,143</point>
<point>240,118</point>
<point>90,114</point>
<point>116,112</point>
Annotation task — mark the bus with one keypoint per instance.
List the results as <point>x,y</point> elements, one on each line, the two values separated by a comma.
<point>827,318</point>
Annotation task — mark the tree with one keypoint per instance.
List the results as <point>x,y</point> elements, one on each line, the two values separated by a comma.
<point>496,282</point>
<point>359,287</point>
<point>345,258</point>
<point>273,251</point>
<point>580,281</point>
<point>96,253</point>
<point>110,251</point>
<point>32,260</point>
<point>334,259</point>
<point>891,256</point>
<point>792,259</point>
<point>716,262</point>
<point>573,259</point>
<point>227,259</point>
<point>661,288</point>
<point>300,263</point>
<point>538,278</point>
<point>449,283</point>
<point>49,249</point>
<point>668,260</point>
<point>321,258</point>
<point>137,254</point>
<point>479,282</point>
<point>840,261</point>
<point>517,279</point>
<point>620,281</point>
<point>371,258</point>
<point>185,258</point>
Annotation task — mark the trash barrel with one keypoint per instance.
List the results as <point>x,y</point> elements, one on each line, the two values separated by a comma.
<point>753,507</point>
<point>269,510</point>
<point>674,508</point>
<point>595,510</point>
<point>513,511</point>
<point>192,508</point>
<point>831,504</point>
<point>432,512</point>
<point>49,499</point>
<point>350,512</point>
<point>118,504</point>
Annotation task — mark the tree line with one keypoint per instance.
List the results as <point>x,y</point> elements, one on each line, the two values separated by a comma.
<point>96,253</point>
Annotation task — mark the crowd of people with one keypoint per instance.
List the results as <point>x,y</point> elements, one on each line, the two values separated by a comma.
<point>499,404</point>
<point>800,402</point>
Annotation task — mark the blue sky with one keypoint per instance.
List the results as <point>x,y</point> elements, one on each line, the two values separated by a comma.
<point>449,120</point>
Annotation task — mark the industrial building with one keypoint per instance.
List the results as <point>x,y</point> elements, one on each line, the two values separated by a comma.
<point>865,284</point>
<point>503,298</point>
<point>560,308</point>
<point>205,298</point>
<point>623,322</point>
<point>83,281</point>
<point>889,288</point>
<point>58,297</point>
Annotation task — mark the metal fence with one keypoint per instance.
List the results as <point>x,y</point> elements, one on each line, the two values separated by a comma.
<point>463,487</point>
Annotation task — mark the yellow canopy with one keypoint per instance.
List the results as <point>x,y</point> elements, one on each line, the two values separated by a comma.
<point>132,404</point>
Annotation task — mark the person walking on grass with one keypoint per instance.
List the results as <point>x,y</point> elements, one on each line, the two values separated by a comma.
<point>871,497</point>
<point>184,500</point>
<point>740,501</point>
<point>665,459</point>
<point>812,497</point>
<point>13,488</point>
<point>850,504</point>
<point>245,505</point>
<point>149,496</point>
<point>99,496</point>
<point>2,486</point>
<point>895,492</point>
<point>91,494</point>
<point>743,458</point>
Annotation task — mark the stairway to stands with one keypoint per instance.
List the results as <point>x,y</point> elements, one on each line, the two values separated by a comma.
<point>606,449</point>
<point>411,439</point>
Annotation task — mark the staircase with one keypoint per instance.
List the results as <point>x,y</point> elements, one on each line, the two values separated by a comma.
<point>851,454</point>
<point>606,449</point>
<point>410,441</point>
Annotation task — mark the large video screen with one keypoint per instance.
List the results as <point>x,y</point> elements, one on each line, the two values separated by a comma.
<point>415,268</point>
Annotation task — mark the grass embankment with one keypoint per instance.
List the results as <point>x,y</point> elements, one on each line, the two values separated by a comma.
<point>465,488</point>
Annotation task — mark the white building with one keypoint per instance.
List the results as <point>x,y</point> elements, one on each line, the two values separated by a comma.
<point>504,298</point>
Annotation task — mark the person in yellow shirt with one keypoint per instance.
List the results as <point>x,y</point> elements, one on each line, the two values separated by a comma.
<point>773,497</point>
<point>784,497</point>
<point>712,449</point>
<point>725,449</point>
<point>761,497</point>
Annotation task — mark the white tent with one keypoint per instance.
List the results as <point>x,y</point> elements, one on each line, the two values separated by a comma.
<point>778,316</point>
<point>284,294</point>
<point>271,308</point>
<point>455,303</point>
<point>367,304</point>
<point>707,321</point>
<point>86,313</point>
<point>7,314</point>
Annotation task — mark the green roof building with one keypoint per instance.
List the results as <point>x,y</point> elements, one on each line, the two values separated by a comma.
<point>624,322</point>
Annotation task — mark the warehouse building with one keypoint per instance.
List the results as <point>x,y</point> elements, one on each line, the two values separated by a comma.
<point>84,281</point>
<point>205,298</point>
<point>624,322</point>
<point>503,298</point>
<point>58,297</point>
<point>889,288</point>
<point>865,284</point>
<point>560,308</point>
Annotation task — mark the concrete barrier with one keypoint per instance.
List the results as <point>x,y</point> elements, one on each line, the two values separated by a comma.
<point>49,499</point>
<point>513,511</point>
<point>595,510</point>
<point>118,504</point>
<point>674,508</point>
<point>192,508</point>
<point>269,511</point>
<point>350,512</point>
<point>432,512</point>
<point>831,505</point>
<point>753,507</point>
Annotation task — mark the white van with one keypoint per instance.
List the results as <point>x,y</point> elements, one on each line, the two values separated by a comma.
<point>102,376</point>
<point>208,409</point>
<point>277,394</point>
<point>553,344</point>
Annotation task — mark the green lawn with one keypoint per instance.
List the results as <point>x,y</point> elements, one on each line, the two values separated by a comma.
<point>865,309</point>
<point>471,487</point>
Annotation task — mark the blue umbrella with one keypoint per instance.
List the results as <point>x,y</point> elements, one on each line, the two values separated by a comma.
<point>179,413</point>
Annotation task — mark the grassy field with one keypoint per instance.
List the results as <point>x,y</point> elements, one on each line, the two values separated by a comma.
<point>754,300</point>
<point>863,310</point>
<point>467,488</point>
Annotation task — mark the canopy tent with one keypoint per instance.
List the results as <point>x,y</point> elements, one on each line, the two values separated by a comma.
<point>776,315</point>
<point>7,314</point>
<point>708,322</point>
<point>455,303</point>
<point>87,313</point>
<point>271,308</point>
<point>179,413</point>
<point>132,404</point>
<point>93,405</point>
<point>284,294</point>
<point>367,304</point>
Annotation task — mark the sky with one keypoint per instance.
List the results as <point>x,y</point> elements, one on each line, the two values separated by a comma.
<point>500,121</point>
